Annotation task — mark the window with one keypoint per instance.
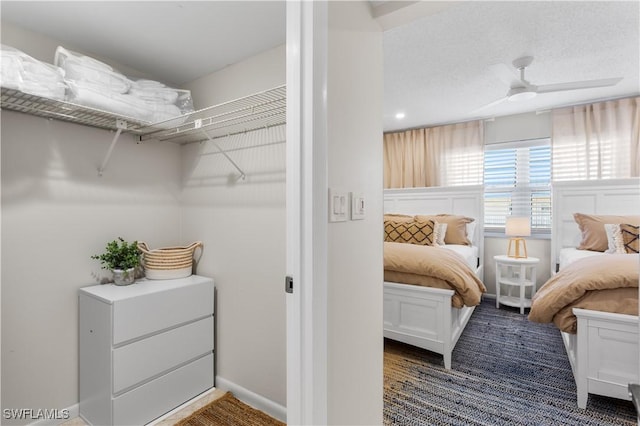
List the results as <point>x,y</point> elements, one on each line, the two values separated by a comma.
<point>517,178</point>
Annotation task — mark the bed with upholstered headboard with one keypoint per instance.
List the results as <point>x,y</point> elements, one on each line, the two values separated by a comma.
<point>604,351</point>
<point>424,316</point>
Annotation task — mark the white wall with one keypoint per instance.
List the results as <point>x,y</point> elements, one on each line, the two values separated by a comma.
<point>530,125</point>
<point>354,329</point>
<point>56,213</point>
<point>242,224</point>
<point>512,128</point>
<point>43,48</point>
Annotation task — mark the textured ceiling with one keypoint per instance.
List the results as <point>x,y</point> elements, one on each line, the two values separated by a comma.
<point>436,68</point>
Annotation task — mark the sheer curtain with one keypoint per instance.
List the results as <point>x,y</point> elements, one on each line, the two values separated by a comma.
<point>435,156</point>
<point>455,154</point>
<point>597,141</point>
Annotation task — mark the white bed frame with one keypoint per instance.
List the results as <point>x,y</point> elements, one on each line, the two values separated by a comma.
<point>604,353</point>
<point>423,316</point>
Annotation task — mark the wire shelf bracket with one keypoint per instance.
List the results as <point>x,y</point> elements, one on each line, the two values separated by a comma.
<point>223,152</point>
<point>121,125</point>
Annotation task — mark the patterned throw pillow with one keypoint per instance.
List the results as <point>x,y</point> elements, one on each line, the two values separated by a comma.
<point>414,232</point>
<point>630,237</point>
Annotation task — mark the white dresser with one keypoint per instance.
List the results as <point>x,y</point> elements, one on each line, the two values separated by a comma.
<point>144,348</point>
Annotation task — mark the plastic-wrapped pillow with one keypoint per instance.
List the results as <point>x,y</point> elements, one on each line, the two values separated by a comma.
<point>22,72</point>
<point>84,69</point>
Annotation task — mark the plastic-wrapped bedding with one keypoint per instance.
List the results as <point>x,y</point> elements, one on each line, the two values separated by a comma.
<point>153,91</point>
<point>95,84</point>
<point>22,72</point>
<point>90,72</point>
<point>121,103</point>
<point>161,97</point>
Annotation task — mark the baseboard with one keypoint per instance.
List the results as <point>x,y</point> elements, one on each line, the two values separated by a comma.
<point>181,406</point>
<point>253,399</point>
<point>60,416</point>
<point>489,296</point>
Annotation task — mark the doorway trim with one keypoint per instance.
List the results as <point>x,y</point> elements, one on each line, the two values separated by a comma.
<point>307,212</point>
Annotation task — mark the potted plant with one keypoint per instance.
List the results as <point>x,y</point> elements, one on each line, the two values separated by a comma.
<point>122,259</point>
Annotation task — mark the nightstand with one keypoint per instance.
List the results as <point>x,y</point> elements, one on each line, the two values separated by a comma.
<point>515,273</point>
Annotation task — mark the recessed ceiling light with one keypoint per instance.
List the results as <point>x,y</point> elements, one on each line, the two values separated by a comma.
<point>400,115</point>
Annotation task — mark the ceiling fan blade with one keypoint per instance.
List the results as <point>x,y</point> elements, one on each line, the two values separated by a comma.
<point>505,73</point>
<point>575,85</point>
<point>489,105</point>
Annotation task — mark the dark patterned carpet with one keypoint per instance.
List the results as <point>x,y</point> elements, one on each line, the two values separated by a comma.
<point>505,371</point>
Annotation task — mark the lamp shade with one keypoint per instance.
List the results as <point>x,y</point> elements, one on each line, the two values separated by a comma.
<point>517,226</point>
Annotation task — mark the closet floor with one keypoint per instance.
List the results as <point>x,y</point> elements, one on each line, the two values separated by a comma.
<point>168,420</point>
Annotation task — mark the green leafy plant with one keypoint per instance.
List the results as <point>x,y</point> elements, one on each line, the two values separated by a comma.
<point>119,255</point>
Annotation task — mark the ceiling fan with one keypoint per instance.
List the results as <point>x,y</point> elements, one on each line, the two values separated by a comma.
<point>521,89</point>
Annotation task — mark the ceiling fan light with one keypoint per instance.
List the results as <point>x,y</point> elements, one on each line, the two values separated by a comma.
<point>521,94</point>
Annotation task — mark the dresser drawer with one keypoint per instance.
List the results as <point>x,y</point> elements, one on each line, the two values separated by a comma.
<point>146,358</point>
<point>151,400</point>
<point>139,316</point>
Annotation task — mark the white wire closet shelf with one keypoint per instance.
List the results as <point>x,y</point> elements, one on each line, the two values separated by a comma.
<point>257,111</point>
<point>254,112</point>
<point>15,100</point>
<point>260,110</point>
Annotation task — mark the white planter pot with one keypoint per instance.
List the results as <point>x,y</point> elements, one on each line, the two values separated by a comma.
<point>124,277</point>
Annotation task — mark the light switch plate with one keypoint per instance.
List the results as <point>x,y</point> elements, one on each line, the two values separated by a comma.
<point>338,205</point>
<point>357,206</point>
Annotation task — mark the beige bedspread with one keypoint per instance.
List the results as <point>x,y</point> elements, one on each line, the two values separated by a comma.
<point>601,283</point>
<point>431,266</point>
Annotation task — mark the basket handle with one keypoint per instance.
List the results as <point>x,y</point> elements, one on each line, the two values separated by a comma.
<point>142,246</point>
<point>196,245</point>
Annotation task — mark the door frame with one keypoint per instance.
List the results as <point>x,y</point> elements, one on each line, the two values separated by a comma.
<point>306,194</point>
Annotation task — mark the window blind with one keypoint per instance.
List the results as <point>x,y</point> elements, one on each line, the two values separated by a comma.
<point>461,167</point>
<point>517,178</point>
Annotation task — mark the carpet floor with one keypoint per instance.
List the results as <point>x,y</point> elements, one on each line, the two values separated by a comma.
<point>229,411</point>
<point>506,370</point>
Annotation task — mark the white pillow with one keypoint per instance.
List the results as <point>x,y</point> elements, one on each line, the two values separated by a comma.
<point>471,230</point>
<point>614,238</point>
<point>440,231</point>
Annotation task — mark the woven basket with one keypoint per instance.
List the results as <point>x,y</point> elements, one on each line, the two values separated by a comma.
<point>168,262</point>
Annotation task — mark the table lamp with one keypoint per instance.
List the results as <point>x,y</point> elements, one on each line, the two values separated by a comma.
<point>516,228</point>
